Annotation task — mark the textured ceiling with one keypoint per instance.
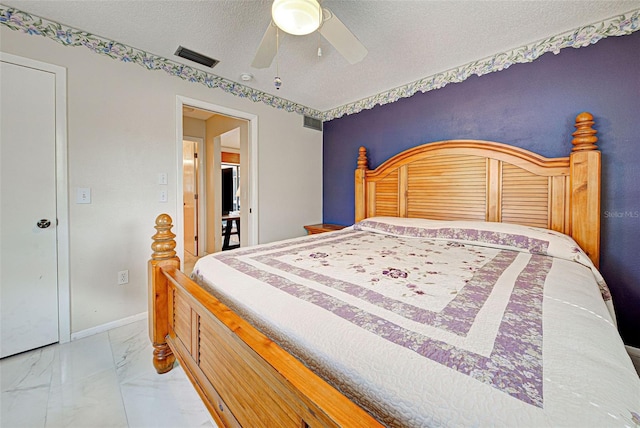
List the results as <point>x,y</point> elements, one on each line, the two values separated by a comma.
<point>407,40</point>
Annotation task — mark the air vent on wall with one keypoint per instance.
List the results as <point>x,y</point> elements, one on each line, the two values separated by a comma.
<point>310,122</point>
<point>196,57</point>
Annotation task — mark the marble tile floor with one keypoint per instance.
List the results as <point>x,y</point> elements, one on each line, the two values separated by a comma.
<point>105,380</point>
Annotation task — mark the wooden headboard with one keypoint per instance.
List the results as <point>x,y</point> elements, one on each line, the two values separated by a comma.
<point>489,181</point>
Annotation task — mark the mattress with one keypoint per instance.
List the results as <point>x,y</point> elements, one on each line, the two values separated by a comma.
<point>432,323</point>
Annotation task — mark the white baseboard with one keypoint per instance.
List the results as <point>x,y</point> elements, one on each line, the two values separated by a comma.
<point>634,353</point>
<point>108,326</point>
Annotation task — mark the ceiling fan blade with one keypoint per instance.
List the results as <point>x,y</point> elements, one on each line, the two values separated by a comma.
<point>341,38</point>
<point>267,49</point>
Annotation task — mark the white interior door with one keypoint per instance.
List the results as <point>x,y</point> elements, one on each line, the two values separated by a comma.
<point>190,196</point>
<point>215,191</point>
<point>28,226</point>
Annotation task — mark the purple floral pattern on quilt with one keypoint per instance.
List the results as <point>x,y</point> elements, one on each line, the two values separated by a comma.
<point>395,273</point>
<point>514,366</point>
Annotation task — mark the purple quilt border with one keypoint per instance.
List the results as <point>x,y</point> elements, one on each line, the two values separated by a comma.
<point>521,242</point>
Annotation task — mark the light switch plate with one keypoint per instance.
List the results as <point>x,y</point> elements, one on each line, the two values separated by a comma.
<point>163,178</point>
<point>83,195</point>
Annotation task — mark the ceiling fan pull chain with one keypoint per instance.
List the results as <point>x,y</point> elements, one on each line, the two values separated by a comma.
<point>277,81</point>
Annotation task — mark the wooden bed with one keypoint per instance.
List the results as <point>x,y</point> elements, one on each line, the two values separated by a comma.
<point>245,379</point>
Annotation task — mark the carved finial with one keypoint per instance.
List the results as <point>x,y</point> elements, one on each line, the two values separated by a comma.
<point>585,136</point>
<point>362,158</point>
<point>163,242</point>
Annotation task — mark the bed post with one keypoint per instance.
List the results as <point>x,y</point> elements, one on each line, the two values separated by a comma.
<point>163,255</point>
<point>585,187</point>
<point>360,188</point>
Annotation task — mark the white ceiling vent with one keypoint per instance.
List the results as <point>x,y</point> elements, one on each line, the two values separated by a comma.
<point>310,122</point>
<point>196,57</point>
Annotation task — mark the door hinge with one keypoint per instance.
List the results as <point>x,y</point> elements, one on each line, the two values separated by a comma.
<point>195,155</point>
<point>196,237</point>
<point>195,196</point>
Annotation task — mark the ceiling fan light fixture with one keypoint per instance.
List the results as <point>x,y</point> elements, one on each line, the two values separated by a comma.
<point>297,17</point>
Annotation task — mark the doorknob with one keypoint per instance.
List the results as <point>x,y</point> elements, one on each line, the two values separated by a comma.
<point>43,224</point>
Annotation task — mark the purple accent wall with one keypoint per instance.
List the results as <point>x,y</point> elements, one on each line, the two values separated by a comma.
<point>531,106</point>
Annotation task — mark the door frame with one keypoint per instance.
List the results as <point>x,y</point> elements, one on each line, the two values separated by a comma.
<point>62,187</point>
<point>202,197</point>
<point>251,167</point>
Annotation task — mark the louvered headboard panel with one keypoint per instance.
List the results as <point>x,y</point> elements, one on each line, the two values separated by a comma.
<point>489,181</point>
<point>525,197</point>
<point>447,187</point>
<point>386,201</point>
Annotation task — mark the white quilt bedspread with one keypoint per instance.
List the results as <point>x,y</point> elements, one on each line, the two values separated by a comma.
<point>430,323</point>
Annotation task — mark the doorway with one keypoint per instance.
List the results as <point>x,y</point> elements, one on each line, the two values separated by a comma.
<point>34,253</point>
<point>215,126</point>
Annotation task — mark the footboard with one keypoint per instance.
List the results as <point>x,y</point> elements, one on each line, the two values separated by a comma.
<point>243,377</point>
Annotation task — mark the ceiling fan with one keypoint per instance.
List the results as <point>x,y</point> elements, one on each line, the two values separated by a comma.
<point>300,17</point>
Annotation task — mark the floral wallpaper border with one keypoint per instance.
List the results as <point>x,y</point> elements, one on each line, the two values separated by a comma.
<point>34,25</point>
<point>584,36</point>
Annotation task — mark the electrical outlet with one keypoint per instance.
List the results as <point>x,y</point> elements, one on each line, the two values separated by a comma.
<point>163,196</point>
<point>123,277</point>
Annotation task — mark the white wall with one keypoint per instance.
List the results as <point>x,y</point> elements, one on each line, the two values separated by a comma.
<point>193,127</point>
<point>122,133</point>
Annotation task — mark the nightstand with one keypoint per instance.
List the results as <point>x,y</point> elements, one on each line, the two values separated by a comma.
<point>312,229</point>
